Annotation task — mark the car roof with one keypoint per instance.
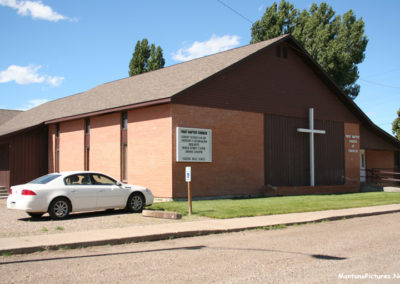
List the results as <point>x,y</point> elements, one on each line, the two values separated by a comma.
<point>67,173</point>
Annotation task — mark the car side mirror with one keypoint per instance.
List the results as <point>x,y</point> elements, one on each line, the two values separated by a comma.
<point>119,183</point>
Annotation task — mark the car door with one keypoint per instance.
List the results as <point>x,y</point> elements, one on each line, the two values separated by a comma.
<point>81,192</point>
<point>110,195</point>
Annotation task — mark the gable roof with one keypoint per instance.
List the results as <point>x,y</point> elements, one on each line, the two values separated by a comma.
<point>161,85</point>
<point>147,87</point>
<point>7,114</point>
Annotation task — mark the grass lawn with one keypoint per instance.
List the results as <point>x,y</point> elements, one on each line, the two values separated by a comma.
<point>231,208</point>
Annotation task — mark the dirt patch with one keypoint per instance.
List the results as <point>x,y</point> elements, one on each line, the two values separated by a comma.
<point>15,223</point>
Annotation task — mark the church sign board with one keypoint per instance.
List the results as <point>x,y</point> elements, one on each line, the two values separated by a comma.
<point>193,145</point>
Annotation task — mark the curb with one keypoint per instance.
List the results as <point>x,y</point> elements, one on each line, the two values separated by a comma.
<point>181,234</point>
<point>161,214</point>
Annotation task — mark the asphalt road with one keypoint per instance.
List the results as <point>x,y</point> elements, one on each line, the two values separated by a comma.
<point>328,252</point>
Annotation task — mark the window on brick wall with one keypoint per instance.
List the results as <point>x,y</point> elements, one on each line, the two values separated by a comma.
<point>57,149</point>
<point>87,144</point>
<point>124,149</point>
<point>57,161</point>
<point>124,120</point>
<point>87,126</point>
<point>124,146</point>
<point>87,152</point>
<point>57,130</point>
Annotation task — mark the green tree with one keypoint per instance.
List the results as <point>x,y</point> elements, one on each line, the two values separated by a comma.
<point>145,58</point>
<point>336,42</point>
<point>156,59</point>
<point>396,125</point>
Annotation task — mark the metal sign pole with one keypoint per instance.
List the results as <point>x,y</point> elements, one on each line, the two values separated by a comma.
<point>190,198</point>
<point>188,177</point>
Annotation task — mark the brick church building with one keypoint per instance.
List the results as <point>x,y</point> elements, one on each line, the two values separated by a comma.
<point>273,122</point>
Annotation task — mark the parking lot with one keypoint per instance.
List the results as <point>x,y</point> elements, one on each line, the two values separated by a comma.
<point>14,223</point>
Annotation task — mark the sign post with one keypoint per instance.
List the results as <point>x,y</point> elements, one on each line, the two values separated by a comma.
<point>188,177</point>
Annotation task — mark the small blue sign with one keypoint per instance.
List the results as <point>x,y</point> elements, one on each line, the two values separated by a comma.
<point>188,175</point>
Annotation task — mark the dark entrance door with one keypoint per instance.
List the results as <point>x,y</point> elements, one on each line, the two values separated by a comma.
<point>4,165</point>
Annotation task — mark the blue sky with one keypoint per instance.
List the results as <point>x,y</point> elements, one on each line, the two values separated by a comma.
<point>55,48</point>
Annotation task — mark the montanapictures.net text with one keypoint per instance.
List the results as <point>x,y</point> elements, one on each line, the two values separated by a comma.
<point>369,276</point>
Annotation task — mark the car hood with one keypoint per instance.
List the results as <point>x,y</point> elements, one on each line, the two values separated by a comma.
<point>133,186</point>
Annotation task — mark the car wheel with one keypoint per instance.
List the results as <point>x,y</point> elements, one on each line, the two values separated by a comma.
<point>59,208</point>
<point>35,215</point>
<point>135,203</point>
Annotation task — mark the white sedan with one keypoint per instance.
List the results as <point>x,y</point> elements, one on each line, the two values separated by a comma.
<point>65,192</point>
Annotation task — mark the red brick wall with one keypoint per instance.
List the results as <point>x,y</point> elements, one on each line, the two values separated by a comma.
<point>379,159</point>
<point>71,145</point>
<point>150,149</point>
<point>237,152</point>
<point>105,144</point>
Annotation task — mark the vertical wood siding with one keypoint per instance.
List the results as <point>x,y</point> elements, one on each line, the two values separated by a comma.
<point>28,155</point>
<point>286,154</point>
<point>4,165</point>
<point>329,153</point>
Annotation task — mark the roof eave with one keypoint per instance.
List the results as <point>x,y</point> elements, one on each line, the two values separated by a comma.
<point>110,110</point>
<point>19,131</point>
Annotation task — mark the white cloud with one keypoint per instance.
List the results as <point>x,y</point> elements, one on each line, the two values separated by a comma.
<point>34,103</point>
<point>54,81</point>
<point>28,75</point>
<point>35,9</point>
<point>213,45</point>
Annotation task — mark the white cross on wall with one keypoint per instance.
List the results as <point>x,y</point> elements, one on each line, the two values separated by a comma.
<point>311,131</point>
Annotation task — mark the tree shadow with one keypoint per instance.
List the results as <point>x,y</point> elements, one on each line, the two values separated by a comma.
<point>327,257</point>
<point>317,256</point>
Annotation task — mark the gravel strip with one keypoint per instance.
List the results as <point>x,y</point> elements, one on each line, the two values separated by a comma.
<point>16,223</point>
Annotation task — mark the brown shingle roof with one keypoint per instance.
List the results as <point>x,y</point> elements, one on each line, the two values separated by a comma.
<point>151,86</point>
<point>7,114</point>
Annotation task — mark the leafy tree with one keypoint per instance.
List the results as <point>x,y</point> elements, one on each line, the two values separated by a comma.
<point>145,58</point>
<point>336,42</point>
<point>396,125</point>
<point>156,59</point>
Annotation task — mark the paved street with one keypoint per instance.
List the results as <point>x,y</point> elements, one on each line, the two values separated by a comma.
<point>311,253</point>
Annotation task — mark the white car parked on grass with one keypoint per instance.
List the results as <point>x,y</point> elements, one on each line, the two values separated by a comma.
<point>65,192</point>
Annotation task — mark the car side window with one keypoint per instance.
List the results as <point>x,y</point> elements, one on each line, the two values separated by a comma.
<point>102,179</point>
<point>79,179</point>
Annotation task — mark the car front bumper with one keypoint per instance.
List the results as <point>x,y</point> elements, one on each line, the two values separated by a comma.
<point>148,196</point>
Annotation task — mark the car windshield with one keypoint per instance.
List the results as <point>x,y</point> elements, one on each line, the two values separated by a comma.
<point>45,179</point>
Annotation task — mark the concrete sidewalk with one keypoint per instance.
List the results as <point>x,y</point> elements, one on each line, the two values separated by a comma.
<point>30,244</point>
